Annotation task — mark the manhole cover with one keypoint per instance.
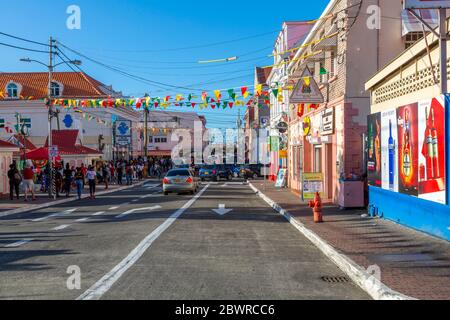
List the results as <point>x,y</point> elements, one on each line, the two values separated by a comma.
<point>339,279</point>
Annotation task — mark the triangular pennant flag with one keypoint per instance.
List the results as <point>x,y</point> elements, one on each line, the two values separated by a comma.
<point>218,94</point>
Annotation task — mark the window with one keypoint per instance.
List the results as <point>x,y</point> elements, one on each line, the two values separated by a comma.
<point>13,90</point>
<point>26,122</point>
<point>412,38</point>
<point>55,89</point>
<point>333,64</point>
<point>318,159</point>
<point>150,139</point>
<point>2,123</point>
<point>160,140</point>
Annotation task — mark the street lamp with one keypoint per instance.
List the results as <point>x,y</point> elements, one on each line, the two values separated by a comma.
<point>51,112</point>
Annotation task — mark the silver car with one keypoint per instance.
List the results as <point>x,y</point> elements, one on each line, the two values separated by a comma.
<point>179,181</point>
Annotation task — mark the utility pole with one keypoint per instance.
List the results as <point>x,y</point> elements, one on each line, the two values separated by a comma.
<point>146,114</point>
<point>52,187</point>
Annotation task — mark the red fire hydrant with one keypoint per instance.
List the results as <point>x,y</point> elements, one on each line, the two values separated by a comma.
<point>316,205</point>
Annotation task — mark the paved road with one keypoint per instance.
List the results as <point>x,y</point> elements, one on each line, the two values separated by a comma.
<point>175,247</point>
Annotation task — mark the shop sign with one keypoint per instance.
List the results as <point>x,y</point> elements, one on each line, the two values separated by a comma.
<point>327,127</point>
<point>283,154</point>
<point>282,127</point>
<point>312,183</point>
<point>426,4</point>
<point>307,90</point>
<point>274,143</point>
<point>281,179</point>
<point>53,151</point>
<point>306,126</point>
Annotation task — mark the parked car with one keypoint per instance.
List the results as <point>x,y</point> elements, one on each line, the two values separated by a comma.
<point>253,171</point>
<point>209,172</point>
<point>225,171</point>
<point>180,180</point>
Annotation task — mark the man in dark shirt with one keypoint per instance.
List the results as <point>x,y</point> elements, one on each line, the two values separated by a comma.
<point>67,179</point>
<point>14,181</point>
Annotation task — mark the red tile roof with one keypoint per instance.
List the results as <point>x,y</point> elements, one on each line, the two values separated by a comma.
<point>63,138</point>
<point>35,84</point>
<point>4,144</point>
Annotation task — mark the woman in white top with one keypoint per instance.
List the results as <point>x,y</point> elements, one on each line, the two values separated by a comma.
<point>91,175</point>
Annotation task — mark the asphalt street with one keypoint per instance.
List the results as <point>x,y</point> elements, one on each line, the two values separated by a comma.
<point>140,244</point>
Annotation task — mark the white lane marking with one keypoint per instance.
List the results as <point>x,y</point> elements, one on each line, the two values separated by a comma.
<point>104,284</point>
<point>82,220</point>
<point>64,226</point>
<point>137,210</point>
<point>135,200</point>
<point>18,243</point>
<point>98,213</point>
<point>113,208</point>
<point>54,215</point>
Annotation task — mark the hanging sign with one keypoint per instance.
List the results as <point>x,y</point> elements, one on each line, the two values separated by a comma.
<point>426,4</point>
<point>327,127</point>
<point>306,126</point>
<point>307,90</point>
<point>282,127</point>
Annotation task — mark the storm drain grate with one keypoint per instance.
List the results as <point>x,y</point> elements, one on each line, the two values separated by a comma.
<point>335,279</point>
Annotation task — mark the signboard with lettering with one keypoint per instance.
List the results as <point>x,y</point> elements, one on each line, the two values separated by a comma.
<point>123,133</point>
<point>312,183</point>
<point>327,127</point>
<point>281,179</point>
<point>53,151</point>
<point>426,4</point>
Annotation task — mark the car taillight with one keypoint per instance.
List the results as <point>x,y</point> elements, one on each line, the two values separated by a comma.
<point>189,180</point>
<point>214,172</point>
<point>166,181</point>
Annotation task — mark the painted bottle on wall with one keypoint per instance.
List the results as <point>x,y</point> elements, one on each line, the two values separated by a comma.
<point>435,148</point>
<point>429,149</point>
<point>406,150</point>
<point>391,146</point>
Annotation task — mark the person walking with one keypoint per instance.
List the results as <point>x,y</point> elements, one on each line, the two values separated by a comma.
<point>119,173</point>
<point>15,178</point>
<point>79,180</point>
<point>91,176</point>
<point>106,173</point>
<point>67,173</point>
<point>28,179</point>
<point>129,173</point>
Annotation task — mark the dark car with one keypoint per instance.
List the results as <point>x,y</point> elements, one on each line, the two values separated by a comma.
<point>225,171</point>
<point>253,171</point>
<point>209,172</point>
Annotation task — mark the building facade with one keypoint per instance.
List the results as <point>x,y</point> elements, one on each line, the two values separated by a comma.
<point>22,102</point>
<point>291,36</point>
<point>341,52</point>
<point>408,157</point>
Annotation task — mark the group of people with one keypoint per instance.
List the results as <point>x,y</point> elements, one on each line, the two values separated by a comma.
<point>68,178</point>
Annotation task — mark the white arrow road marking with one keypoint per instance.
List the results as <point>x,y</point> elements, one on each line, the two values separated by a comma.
<point>136,210</point>
<point>64,226</point>
<point>104,284</point>
<point>18,243</point>
<point>54,215</point>
<point>222,210</point>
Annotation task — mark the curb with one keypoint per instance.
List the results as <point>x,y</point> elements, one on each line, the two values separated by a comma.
<point>54,203</point>
<point>375,288</point>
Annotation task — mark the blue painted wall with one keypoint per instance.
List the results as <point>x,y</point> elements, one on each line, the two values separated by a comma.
<point>426,216</point>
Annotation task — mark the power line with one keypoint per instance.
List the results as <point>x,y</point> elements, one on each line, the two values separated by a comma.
<point>22,48</point>
<point>23,39</point>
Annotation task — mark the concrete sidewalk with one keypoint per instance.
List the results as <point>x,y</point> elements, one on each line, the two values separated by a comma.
<point>8,207</point>
<point>411,262</point>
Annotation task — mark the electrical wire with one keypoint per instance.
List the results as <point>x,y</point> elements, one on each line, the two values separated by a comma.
<point>23,39</point>
<point>22,48</point>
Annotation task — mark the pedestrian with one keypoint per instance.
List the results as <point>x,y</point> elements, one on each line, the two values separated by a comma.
<point>67,173</point>
<point>79,180</point>
<point>58,181</point>
<point>28,180</point>
<point>129,174</point>
<point>91,176</point>
<point>15,178</point>
<point>113,172</point>
<point>106,175</point>
<point>84,172</point>
<point>119,173</point>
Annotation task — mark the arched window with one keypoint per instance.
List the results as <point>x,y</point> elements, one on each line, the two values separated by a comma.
<point>55,89</point>
<point>13,90</point>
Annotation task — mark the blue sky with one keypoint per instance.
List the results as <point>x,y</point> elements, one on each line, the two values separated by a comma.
<point>157,40</point>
